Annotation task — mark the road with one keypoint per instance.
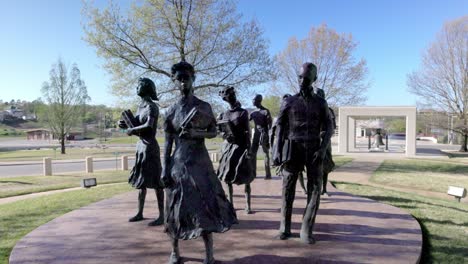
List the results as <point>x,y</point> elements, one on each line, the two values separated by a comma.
<point>58,167</point>
<point>424,148</point>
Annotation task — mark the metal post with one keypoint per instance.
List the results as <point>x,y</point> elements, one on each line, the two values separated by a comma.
<point>369,143</point>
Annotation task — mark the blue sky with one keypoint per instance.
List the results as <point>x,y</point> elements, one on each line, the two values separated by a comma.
<point>391,34</point>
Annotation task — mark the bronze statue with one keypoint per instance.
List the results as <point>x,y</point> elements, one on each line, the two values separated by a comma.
<point>235,166</point>
<point>147,170</point>
<point>196,204</point>
<point>273,143</point>
<point>301,120</point>
<point>262,120</point>
<point>328,163</point>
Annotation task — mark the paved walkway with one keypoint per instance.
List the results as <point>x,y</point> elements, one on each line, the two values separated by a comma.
<point>348,229</point>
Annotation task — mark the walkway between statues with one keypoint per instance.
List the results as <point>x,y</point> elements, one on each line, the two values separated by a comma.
<point>348,229</point>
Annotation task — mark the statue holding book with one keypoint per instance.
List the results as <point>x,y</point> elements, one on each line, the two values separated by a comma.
<point>235,166</point>
<point>147,170</point>
<point>196,204</point>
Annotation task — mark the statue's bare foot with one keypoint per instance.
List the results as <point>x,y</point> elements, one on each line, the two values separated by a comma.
<point>248,210</point>
<point>156,222</point>
<point>136,218</point>
<point>174,258</point>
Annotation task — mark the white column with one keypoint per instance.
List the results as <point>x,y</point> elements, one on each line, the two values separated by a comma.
<point>214,157</point>
<point>411,133</point>
<point>47,166</point>
<point>342,131</point>
<point>124,163</point>
<point>351,134</point>
<point>89,164</point>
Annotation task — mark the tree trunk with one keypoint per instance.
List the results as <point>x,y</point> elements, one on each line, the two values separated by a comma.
<point>62,144</point>
<point>463,147</point>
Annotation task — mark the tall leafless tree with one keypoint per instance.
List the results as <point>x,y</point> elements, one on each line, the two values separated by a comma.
<point>442,80</point>
<point>154,34</point>
<point>65,93</point>
<point>340,75</point>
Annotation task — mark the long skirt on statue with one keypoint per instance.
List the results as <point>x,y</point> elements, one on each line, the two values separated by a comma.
<point>147,170</point>
<point>195,202</point>
<point>235,166</point>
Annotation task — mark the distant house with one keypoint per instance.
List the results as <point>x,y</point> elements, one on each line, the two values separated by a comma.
<point>3,115</point>
<point>39,134</point>
<point>16,112</point>
<point>75,136</point>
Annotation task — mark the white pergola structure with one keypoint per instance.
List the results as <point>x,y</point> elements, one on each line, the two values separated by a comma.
<point>347,124</point>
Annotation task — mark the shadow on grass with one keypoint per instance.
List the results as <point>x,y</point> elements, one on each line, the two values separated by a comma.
<point>427,255</point>
<point>439,241</point>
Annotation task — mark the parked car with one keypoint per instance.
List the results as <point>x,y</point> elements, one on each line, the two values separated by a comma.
<point>400,136</point>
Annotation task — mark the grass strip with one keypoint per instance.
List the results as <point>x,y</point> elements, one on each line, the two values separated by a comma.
<point>19,218</point>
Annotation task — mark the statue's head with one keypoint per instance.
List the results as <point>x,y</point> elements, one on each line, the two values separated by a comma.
<point>257,101</point>
<point>183,75</point>
<point>228,94</point>
<point>307,76</point>
<point>146,87</point>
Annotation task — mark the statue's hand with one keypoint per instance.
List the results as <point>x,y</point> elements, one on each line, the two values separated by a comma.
<point>186,133</point>
<point>276,162</point>
<point>166,179</point>
<point>249,155</point>
<point>130,131</point>
<point>319,155</point>
<point>229,138</point>
<point>122,124</point>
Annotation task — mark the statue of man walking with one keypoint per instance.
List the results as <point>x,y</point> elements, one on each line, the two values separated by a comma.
<point>302,119</point>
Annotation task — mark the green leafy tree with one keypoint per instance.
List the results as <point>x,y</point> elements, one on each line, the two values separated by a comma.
<point>65,93</point>
<point>340,75</point>
<point>154,34</point>
<point>273,104</point>
<point>442,81</point>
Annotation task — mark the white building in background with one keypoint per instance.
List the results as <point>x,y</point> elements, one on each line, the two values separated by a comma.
<point>347,125</point>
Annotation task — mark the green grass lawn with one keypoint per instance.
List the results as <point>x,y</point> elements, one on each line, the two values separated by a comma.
<point>19,218</point>
<point>33,184</point>
<point>425,175</point>
<point>444,223</point>
<point>71,153</point>
<point>341,160</point>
